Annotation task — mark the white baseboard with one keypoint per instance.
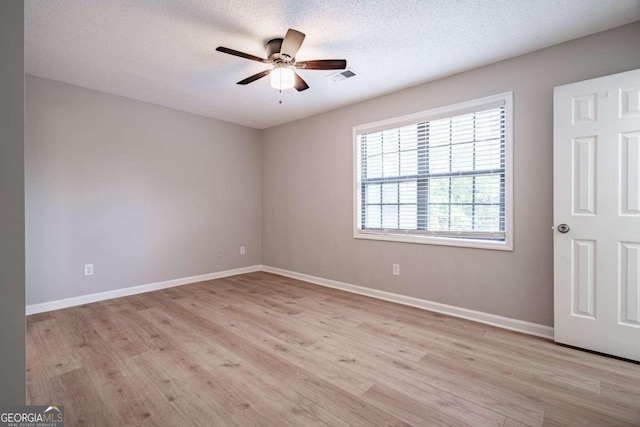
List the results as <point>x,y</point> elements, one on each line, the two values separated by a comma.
<point>117,293</point>
<point>477,316</point>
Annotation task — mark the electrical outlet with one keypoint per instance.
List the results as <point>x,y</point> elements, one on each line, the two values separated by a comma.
<point>396,269</point>
<point>243,250</point>
<point>88,269</point>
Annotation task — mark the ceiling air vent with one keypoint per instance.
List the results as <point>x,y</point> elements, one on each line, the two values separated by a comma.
<point>342,75</point>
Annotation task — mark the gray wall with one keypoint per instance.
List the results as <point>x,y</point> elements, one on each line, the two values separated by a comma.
<point>307,187</point>
<point>12,324</point>
<point>144,193</point>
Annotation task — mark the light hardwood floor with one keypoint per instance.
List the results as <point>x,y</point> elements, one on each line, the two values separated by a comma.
<point>261,349</point>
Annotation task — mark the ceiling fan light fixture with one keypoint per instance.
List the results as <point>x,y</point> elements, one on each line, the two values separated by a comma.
<point>282,78</point>
<point>281,54</point>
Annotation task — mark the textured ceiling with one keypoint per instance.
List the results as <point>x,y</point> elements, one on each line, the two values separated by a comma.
<point>163,51</point>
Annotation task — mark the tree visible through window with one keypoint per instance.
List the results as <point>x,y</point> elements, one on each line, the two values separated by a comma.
<point>444,177</point>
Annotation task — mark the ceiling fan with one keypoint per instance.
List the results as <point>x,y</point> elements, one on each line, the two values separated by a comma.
<point>282,54</point>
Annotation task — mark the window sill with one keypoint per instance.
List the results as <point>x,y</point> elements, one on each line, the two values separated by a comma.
<point>431,240</point>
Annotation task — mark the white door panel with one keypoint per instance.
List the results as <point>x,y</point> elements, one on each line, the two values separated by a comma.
<point>597,194</point>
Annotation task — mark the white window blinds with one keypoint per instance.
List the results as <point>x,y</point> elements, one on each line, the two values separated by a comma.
<point>444,177</point>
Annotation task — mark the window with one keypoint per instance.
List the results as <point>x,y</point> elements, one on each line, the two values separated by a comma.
<point>439,177</point>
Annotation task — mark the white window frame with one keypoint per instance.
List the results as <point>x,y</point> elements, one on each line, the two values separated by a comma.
<point>503,99</point>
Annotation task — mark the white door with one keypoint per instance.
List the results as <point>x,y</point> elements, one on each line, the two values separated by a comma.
<point>596,185</point>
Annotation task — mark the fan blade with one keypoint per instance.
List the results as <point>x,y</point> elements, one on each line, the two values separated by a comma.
<point>255,77</point>
<point>323,64</point>
<point>291,43</point>
<point>300,84</point>
<point>240,54</point>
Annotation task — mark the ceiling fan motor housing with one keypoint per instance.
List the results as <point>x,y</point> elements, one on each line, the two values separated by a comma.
<point>273,51</point>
